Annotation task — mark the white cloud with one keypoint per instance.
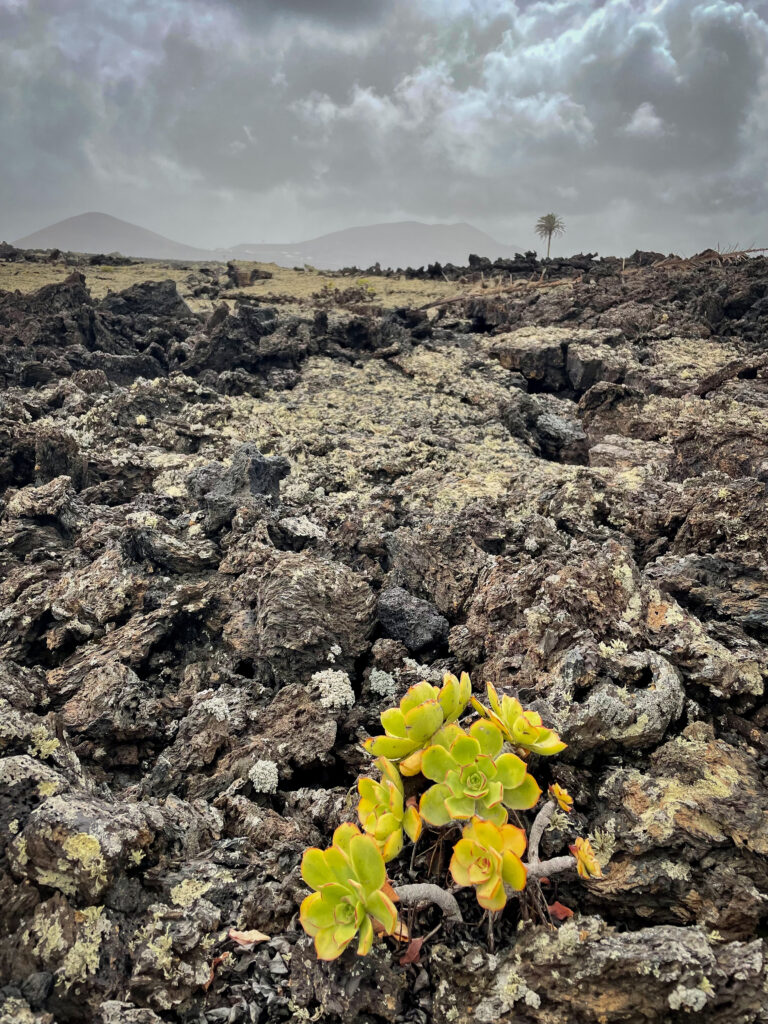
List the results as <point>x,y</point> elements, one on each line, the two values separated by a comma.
<point>645,123</point>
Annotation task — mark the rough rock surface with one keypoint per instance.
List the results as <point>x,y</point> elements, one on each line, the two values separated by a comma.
<point>227,544</point>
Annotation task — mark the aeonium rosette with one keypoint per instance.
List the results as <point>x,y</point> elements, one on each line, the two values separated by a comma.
<point>382,812</point>
<point>487,857</point>
<point>473,778</point>
<point>522,728</point>
<point>352,895</point>
<point>423,711</point>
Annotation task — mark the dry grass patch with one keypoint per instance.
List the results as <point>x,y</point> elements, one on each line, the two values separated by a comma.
<point>297,286</point>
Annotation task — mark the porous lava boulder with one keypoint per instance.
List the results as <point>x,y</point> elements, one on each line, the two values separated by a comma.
<point>417,623</point>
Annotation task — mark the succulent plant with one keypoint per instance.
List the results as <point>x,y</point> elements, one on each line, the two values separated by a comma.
<point>349,879</point>
<point>521,728</point>
<point>474,779</point>
<point>382,813</point>
<point>423,711</point>
<point>586,861</point>
<point>488,856</point>
<point>562,797</point>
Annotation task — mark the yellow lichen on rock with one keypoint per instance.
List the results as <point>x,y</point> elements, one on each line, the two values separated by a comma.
<point>189,891</point>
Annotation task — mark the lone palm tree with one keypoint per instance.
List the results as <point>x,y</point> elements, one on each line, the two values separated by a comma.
<point>548,225</point>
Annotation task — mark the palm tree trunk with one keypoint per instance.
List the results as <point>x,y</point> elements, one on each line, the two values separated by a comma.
<point>549,242</point>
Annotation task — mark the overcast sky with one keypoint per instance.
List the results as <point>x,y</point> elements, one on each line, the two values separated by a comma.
<point>223,121</point>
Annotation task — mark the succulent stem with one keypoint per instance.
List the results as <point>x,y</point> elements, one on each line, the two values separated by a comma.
<point>545,868</point>
<point>538,828</point>
<point>426,892</point>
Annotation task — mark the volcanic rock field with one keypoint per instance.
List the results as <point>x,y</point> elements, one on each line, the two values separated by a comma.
<point>230,539</point>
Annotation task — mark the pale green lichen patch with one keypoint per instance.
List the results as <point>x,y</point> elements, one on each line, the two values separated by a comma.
<point>50,935</point>
<point>603,842</point>
<point>83,957</point>
<point>57,879</point>
<point>386,424</point>
<point>49,788</point>
<point>161,949</point>
<point>189,891</point>
<point>17,1011</point>
<point>85,851</point>
<point>42,744</point>
<point>681,801</point>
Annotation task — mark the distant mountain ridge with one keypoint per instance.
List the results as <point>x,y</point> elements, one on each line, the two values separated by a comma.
<point>102,233</point>
<point>401,244</point>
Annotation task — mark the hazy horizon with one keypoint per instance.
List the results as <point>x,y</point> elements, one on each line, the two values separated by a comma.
<point>262,241</point>
<point>222,122</point>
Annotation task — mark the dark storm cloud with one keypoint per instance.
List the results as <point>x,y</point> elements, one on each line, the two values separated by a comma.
<point>219,120</point>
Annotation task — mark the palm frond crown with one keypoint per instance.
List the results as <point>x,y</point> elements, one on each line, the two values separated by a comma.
<point>548,225</point>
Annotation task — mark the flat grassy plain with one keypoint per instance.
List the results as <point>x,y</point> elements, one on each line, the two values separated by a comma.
<point>296,286</point>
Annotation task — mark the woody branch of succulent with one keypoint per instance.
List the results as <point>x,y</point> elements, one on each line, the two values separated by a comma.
<point>437,773</point>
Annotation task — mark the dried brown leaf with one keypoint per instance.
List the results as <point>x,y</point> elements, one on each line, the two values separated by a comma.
<point>413,953</point>
<point>247,938</point>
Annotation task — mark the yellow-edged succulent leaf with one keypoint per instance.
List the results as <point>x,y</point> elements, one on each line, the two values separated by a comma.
<point>382,909</point>
<point>365,937</point>
<point>511,771</point>
<point>524,796</point>
<point>488,736</point>
<point>454,695</point>
<point>496,815</point>
<point>460,808</point>
<point>586,861</point>
<point>465,749</point>
<point>411,765</point>
<point>493,698</point>
<point>417,694</point>
<point>367,862</point>
<point>485,834</point>
<point>390,773</point>
<point>491,894</point>
<point>393,721</point>
<point>562,797</point>
<point>436,763</point>
<point>327,945</point>
<point>314,869</point>
<point>412,823</point>
<point>315,914</point>
<point>513,870</point>
<point>343,836</point>
<point>514,840</point>
<point>548,743</point>
<point>393,747</point>
<point>432,806</point>
<point>392,845</point>
<point>423,722</point>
